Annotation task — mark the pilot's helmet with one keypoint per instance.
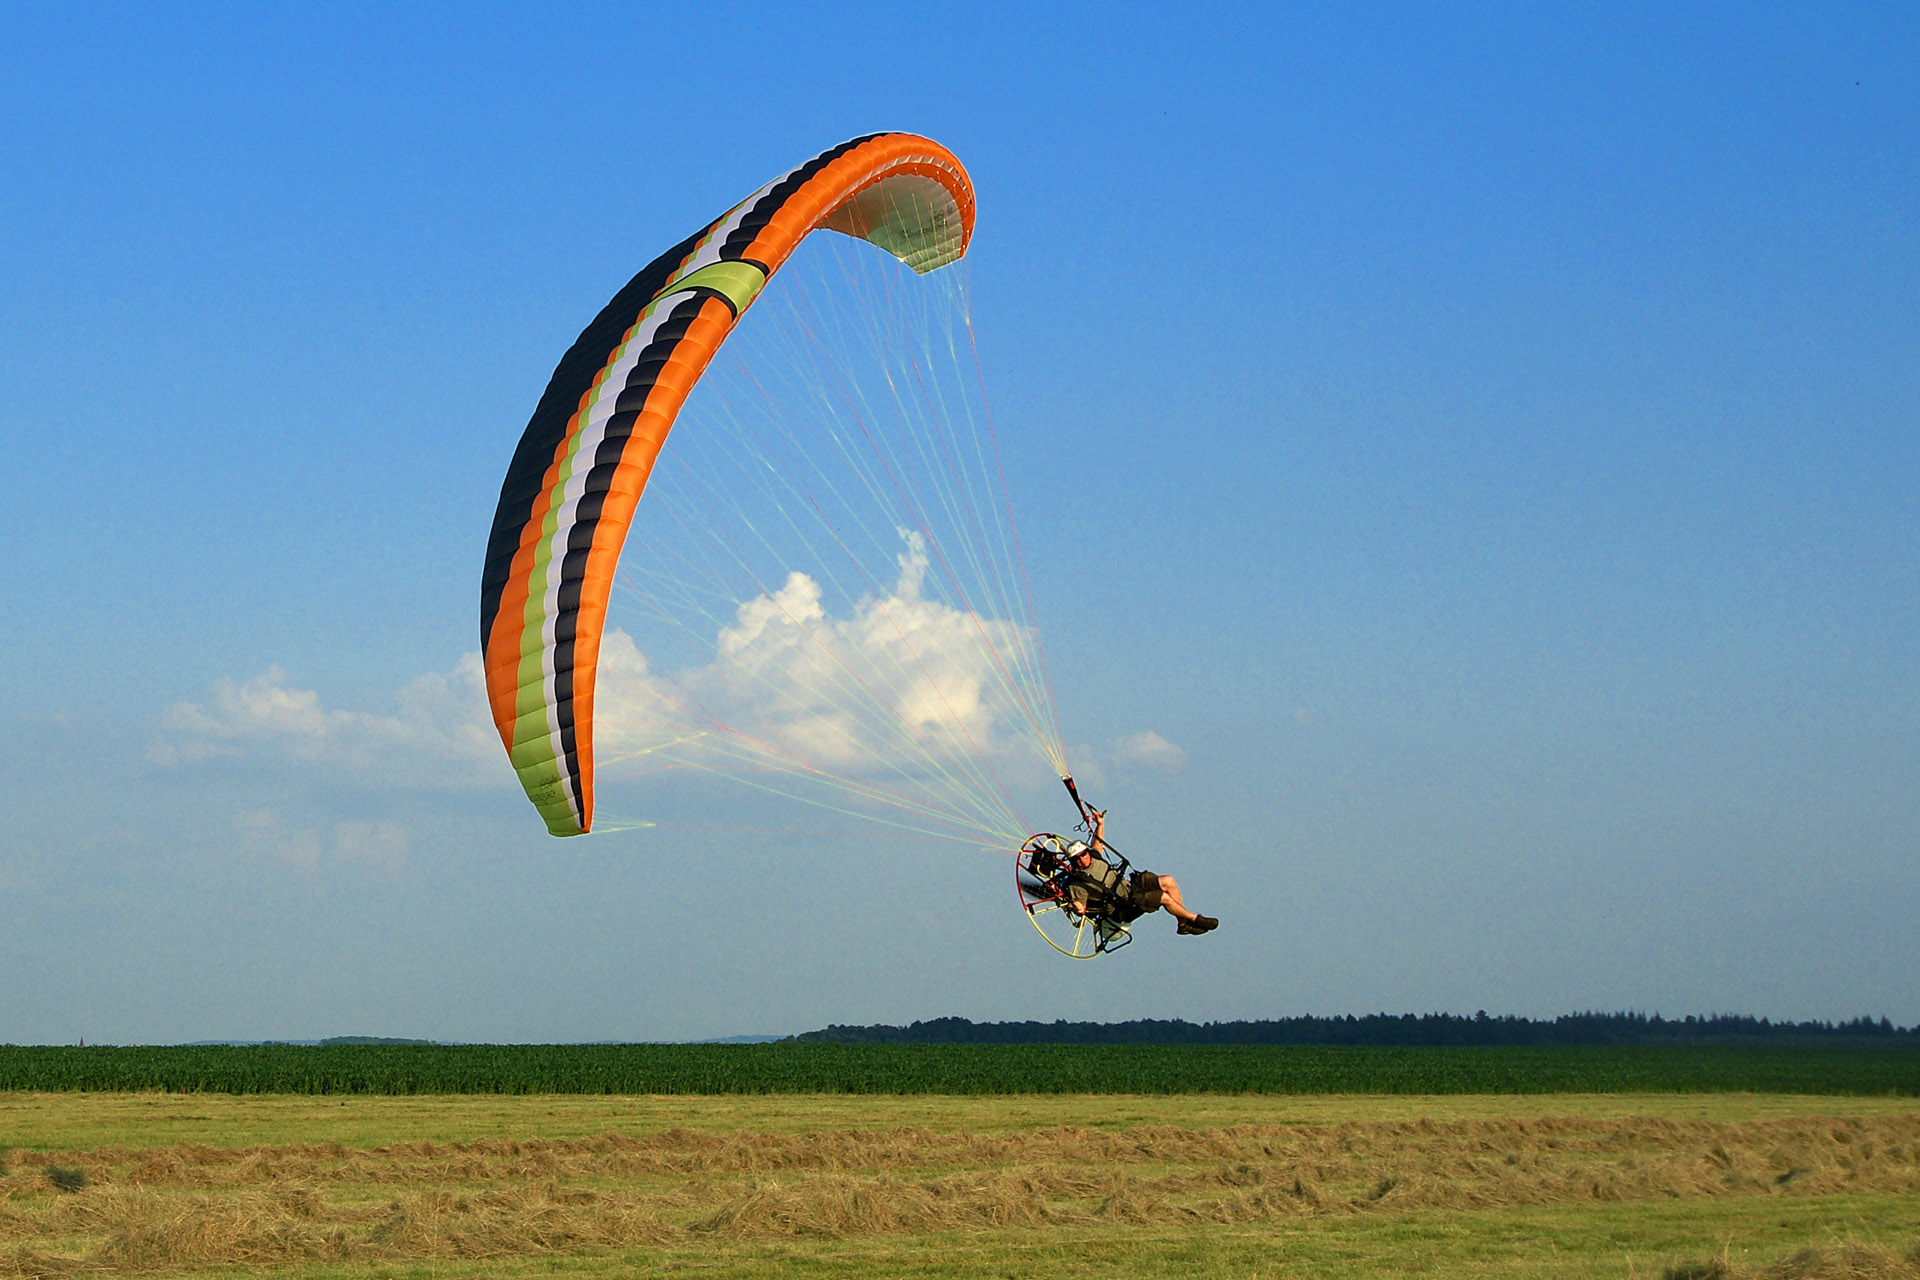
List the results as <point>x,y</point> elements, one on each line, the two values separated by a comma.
<point>1077,848</point>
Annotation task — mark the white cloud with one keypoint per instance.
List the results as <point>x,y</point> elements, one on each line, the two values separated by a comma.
<point>1148,750</point>
<point>903,685</point>
<point>440,735</point>
<point>1088,773</point>
<point>262,836</point>
<point>904,692</point>
<point>380,846</point>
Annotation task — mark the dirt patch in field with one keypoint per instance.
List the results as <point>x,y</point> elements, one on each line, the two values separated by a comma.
<point>191,1206</point>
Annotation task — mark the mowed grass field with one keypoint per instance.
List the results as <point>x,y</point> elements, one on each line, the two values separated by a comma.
<point>932,1185</point>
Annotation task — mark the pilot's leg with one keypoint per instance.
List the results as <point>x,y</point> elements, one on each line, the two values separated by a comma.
<point>1170,899</point>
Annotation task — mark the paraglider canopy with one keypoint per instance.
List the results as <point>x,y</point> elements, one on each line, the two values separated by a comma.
<point>585,457</point>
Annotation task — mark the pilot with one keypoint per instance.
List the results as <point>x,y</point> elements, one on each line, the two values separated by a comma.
<point>1095,879</point>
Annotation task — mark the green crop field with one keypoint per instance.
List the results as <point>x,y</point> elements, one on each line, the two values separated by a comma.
<point>961,1069</point>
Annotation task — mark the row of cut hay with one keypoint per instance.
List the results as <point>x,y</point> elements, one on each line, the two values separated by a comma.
<point>142,1231</point>
<point>1033,1181</point>
<point>1803,1154</point>
<point>1852,1261</point>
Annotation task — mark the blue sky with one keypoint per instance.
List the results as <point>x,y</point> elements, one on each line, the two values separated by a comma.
<point>1481,440</point>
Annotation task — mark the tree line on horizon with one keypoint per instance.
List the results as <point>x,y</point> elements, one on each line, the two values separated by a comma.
<point>1405,1030</point>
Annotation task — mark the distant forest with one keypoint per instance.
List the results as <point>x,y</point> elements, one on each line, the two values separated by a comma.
<point>1405,1029</point>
